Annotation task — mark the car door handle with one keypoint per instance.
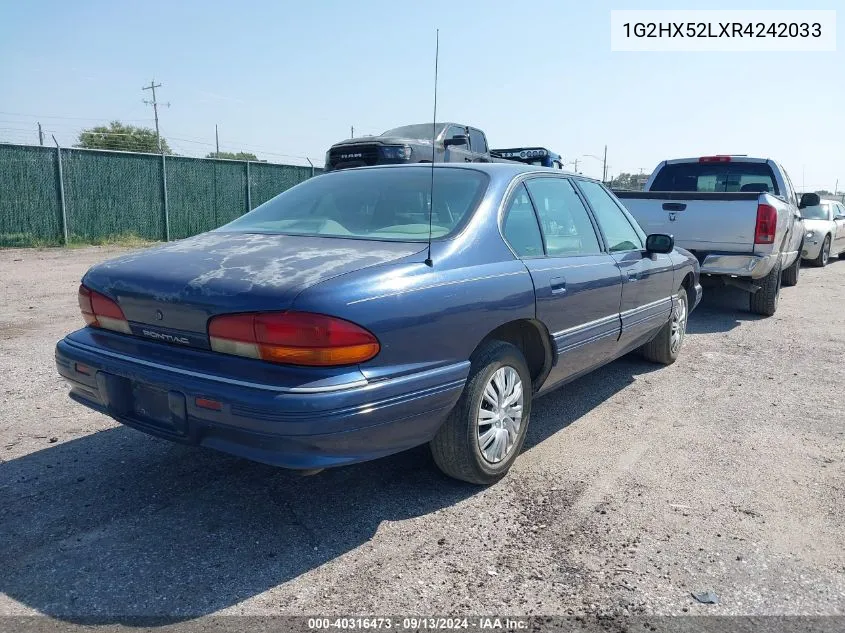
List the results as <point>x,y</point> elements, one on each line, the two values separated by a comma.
<point>558,285</point>
<point>674,206</point>
<point>634,276</point>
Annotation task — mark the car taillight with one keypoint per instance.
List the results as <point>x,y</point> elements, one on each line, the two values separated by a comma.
<point>721,158</point>
<point>293,338</point>
<point>767,222</point>
<point>100,311</point>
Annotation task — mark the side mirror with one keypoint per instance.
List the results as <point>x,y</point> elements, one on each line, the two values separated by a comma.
<point>456,140</point>
<point>809,200</point>
<point>659,243</point>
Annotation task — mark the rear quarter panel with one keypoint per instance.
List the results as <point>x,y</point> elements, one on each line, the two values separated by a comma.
<point>429,316</point>
<point>425,318</point>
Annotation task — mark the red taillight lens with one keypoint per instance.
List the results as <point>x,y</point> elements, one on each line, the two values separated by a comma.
<point>294,338</point>
<point>767,223</point>
<point>86,307</point>
<point>715,159</point>
<point>100,311</point>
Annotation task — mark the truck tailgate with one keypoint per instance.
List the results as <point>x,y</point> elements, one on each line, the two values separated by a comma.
<point>698,221</point>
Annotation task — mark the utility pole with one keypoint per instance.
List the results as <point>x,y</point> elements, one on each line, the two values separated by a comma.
<point>351,131</point>
<point>153,85</point>
<point>216,141</point>
<point>40,135</point>
<point>575,163</point>
<point>604,166</point>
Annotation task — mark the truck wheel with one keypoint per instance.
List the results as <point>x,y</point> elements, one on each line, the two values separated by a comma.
<point>765,300</point>
<point>483,434</point>
<point>665,347</point>
<point>824,253</point>
<point>790,275</point>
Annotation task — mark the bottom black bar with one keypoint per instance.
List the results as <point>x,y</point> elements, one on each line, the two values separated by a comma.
<point>422,624</point>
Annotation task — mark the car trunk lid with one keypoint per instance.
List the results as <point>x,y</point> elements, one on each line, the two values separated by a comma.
<point>168,293</point>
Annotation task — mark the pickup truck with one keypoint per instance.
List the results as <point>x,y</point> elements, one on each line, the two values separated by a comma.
<point>453,143</point>
<point>739,216</point>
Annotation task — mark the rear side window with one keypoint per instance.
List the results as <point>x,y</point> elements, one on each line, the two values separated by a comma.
<point>716,178</point>
<point>566,223</point>
<point>520,226</point>
<point>477,142</point>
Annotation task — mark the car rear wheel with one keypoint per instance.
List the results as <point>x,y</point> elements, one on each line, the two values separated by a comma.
<point>483,435</point>
<point>765,300</point>
<point>824,253</point>
<point>666,346</point>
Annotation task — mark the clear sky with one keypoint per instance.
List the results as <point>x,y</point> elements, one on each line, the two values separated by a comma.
<point>290,77</point>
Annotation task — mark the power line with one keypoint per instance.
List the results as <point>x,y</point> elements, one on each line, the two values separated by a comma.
<point>131,142</point>
<point>67,118</point>
<point>68,126</point>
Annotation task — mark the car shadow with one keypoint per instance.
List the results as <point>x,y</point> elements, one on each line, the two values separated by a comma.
<point>561,407</point>
<point>116,525</point>
<point>721,310</point>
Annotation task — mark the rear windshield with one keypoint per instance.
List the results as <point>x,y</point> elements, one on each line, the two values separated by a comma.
<point>383,204</point>
<point>716,177</point>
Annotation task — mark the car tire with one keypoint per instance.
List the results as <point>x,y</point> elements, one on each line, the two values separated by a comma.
<point>824,253</point>
<point>765,300</point>
<point>790,275</point>
<point>464,447</point>
<point>666,346</point>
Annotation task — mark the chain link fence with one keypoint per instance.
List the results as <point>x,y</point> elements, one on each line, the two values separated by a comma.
<point>52,196</point>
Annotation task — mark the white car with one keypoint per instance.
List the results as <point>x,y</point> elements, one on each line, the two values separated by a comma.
<point>824,226</point>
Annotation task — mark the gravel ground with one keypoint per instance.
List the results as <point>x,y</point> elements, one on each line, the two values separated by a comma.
<point>637,486</point>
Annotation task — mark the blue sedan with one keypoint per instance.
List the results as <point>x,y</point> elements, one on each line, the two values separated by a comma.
<point>368,311</point>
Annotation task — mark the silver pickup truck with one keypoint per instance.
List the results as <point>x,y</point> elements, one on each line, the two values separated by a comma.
<point>739,216</point>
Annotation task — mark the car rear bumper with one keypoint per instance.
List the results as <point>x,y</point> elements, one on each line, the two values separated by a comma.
<point>738,265</point>
<point>341,424</point>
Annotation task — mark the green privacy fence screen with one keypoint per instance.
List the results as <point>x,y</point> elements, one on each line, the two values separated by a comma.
<point>54,196</point>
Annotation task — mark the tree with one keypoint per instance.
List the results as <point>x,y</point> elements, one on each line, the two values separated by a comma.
<point>127,138</point>
<point>233,155</point>
<point>626,181</point>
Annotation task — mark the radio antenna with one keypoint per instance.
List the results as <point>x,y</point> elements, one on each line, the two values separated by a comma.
<point>428,261</point>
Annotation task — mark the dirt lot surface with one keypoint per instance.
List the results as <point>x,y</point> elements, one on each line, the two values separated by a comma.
<point>638,485</point>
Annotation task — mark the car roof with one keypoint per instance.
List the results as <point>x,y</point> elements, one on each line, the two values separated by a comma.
<point>498,170</point>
